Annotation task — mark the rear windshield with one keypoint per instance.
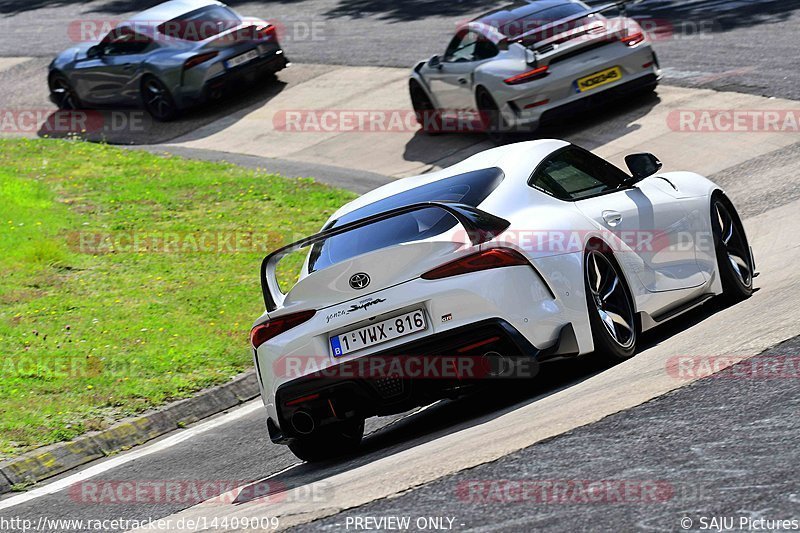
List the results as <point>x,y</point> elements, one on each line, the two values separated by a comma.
<point>470,188</point>
<point>513,27</point>
<point>200,24</point>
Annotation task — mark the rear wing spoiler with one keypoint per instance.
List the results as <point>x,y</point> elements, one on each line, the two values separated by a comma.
<point>542,30</point>
<point>480,226</point>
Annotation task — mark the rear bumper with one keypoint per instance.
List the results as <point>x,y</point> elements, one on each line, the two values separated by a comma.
<point>230,81</point>
<point>418,373</point>
<point>513,304</point>
<point>236,78</point>
<point>557,95</point>
<point>591,101</point>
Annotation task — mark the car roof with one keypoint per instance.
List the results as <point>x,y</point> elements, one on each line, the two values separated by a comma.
<point>517,10</point>
<point>505,157</point>
<point>169,10</point>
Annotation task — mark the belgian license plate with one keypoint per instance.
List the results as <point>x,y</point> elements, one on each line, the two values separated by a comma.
<point>378,333</point>
<point>241,59</point>
<point>592,81</point>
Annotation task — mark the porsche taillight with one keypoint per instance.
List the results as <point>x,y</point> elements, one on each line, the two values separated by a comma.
<point>488,259</point>
<point>634,38</point>
<point>272,328</point>
<point>530,75</point>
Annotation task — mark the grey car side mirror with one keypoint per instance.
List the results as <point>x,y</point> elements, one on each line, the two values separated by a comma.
<point>435,62</point>
<point>94,51</point>
<point>642,165</point>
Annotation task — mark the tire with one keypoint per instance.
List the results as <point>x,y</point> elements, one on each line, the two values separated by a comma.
<point>328,443</point>
<point>734,261</point>
<point>157,100</point>
<point>62,93</point>
<point>610,305</point>
<point>492,119</point>
<point>427,115</point>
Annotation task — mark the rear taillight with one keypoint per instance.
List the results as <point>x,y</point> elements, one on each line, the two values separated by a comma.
<point>196,60</point>
<point>494,258</point>
<point>265,32</point>
<point>525,77</point>
<point>633,39</point>
<point>264,332</point>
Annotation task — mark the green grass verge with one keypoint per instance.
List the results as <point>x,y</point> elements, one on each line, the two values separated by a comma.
<point>95,326</point>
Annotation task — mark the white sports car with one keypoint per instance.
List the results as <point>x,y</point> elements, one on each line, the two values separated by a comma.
<point>520,254</point>
<point>531,62</point>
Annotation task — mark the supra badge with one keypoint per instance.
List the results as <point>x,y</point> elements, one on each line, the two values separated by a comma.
<point>359,281</point>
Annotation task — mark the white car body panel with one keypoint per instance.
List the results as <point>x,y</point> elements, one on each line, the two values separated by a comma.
<point>537,302</point>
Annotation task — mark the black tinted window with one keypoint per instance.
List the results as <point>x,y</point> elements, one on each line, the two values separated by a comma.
<point>201,24</point>
<point>470,188</point>
<point>122,41</point>
<point>462,47</point>
<point>512,26</point>
<point>574,173</point>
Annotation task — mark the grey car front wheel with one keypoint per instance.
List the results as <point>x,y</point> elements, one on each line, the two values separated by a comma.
<point>63,95</point>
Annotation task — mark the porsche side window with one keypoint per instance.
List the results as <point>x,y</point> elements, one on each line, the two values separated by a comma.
<point>485,49</point>
<point>462,47</point>
<point>573,174</point>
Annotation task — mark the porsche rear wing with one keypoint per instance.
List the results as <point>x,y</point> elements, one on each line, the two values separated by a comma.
<point>530,38</point>
<point>479,225</point>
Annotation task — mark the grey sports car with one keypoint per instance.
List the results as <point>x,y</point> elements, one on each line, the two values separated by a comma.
<point>166,59</point>
<point>532,61</point>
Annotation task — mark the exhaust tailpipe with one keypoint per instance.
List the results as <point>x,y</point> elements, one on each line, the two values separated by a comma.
<point>303,422</point>
<point>497,363</point>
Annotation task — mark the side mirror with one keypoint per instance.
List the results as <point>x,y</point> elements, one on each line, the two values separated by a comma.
<point>435,62</point>
<point>94,51</point>
<point>642,165</point>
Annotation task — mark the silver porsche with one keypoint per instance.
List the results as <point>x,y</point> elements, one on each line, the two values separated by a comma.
<point>166,59</point>
<point>531,62</point>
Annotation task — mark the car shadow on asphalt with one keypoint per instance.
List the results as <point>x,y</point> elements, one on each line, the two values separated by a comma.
<point>133,126</point>
<point>450,416</point>
<point>591,128</point>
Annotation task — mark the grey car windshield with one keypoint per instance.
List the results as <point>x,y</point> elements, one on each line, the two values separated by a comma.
<point>200,24</point>
<point>470,188</point>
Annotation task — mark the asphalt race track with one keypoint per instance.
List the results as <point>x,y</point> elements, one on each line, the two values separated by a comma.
<point>724,445</point>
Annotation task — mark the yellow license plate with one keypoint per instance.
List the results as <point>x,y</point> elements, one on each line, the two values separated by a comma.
<point>609,75</point>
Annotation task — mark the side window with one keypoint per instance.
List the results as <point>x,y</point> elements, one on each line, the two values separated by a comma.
<point>462,47</point>
<point>485,49</point>
<point>124,41</point>
<point>574,173</point>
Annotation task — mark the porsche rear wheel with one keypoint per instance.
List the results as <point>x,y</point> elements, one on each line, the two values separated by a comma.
<point>491,118</point>
<point>329,443</point>
<point>610,305</point>
<point>732,249</point>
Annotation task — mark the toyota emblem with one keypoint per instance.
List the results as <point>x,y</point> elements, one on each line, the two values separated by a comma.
<point>359,281</point>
